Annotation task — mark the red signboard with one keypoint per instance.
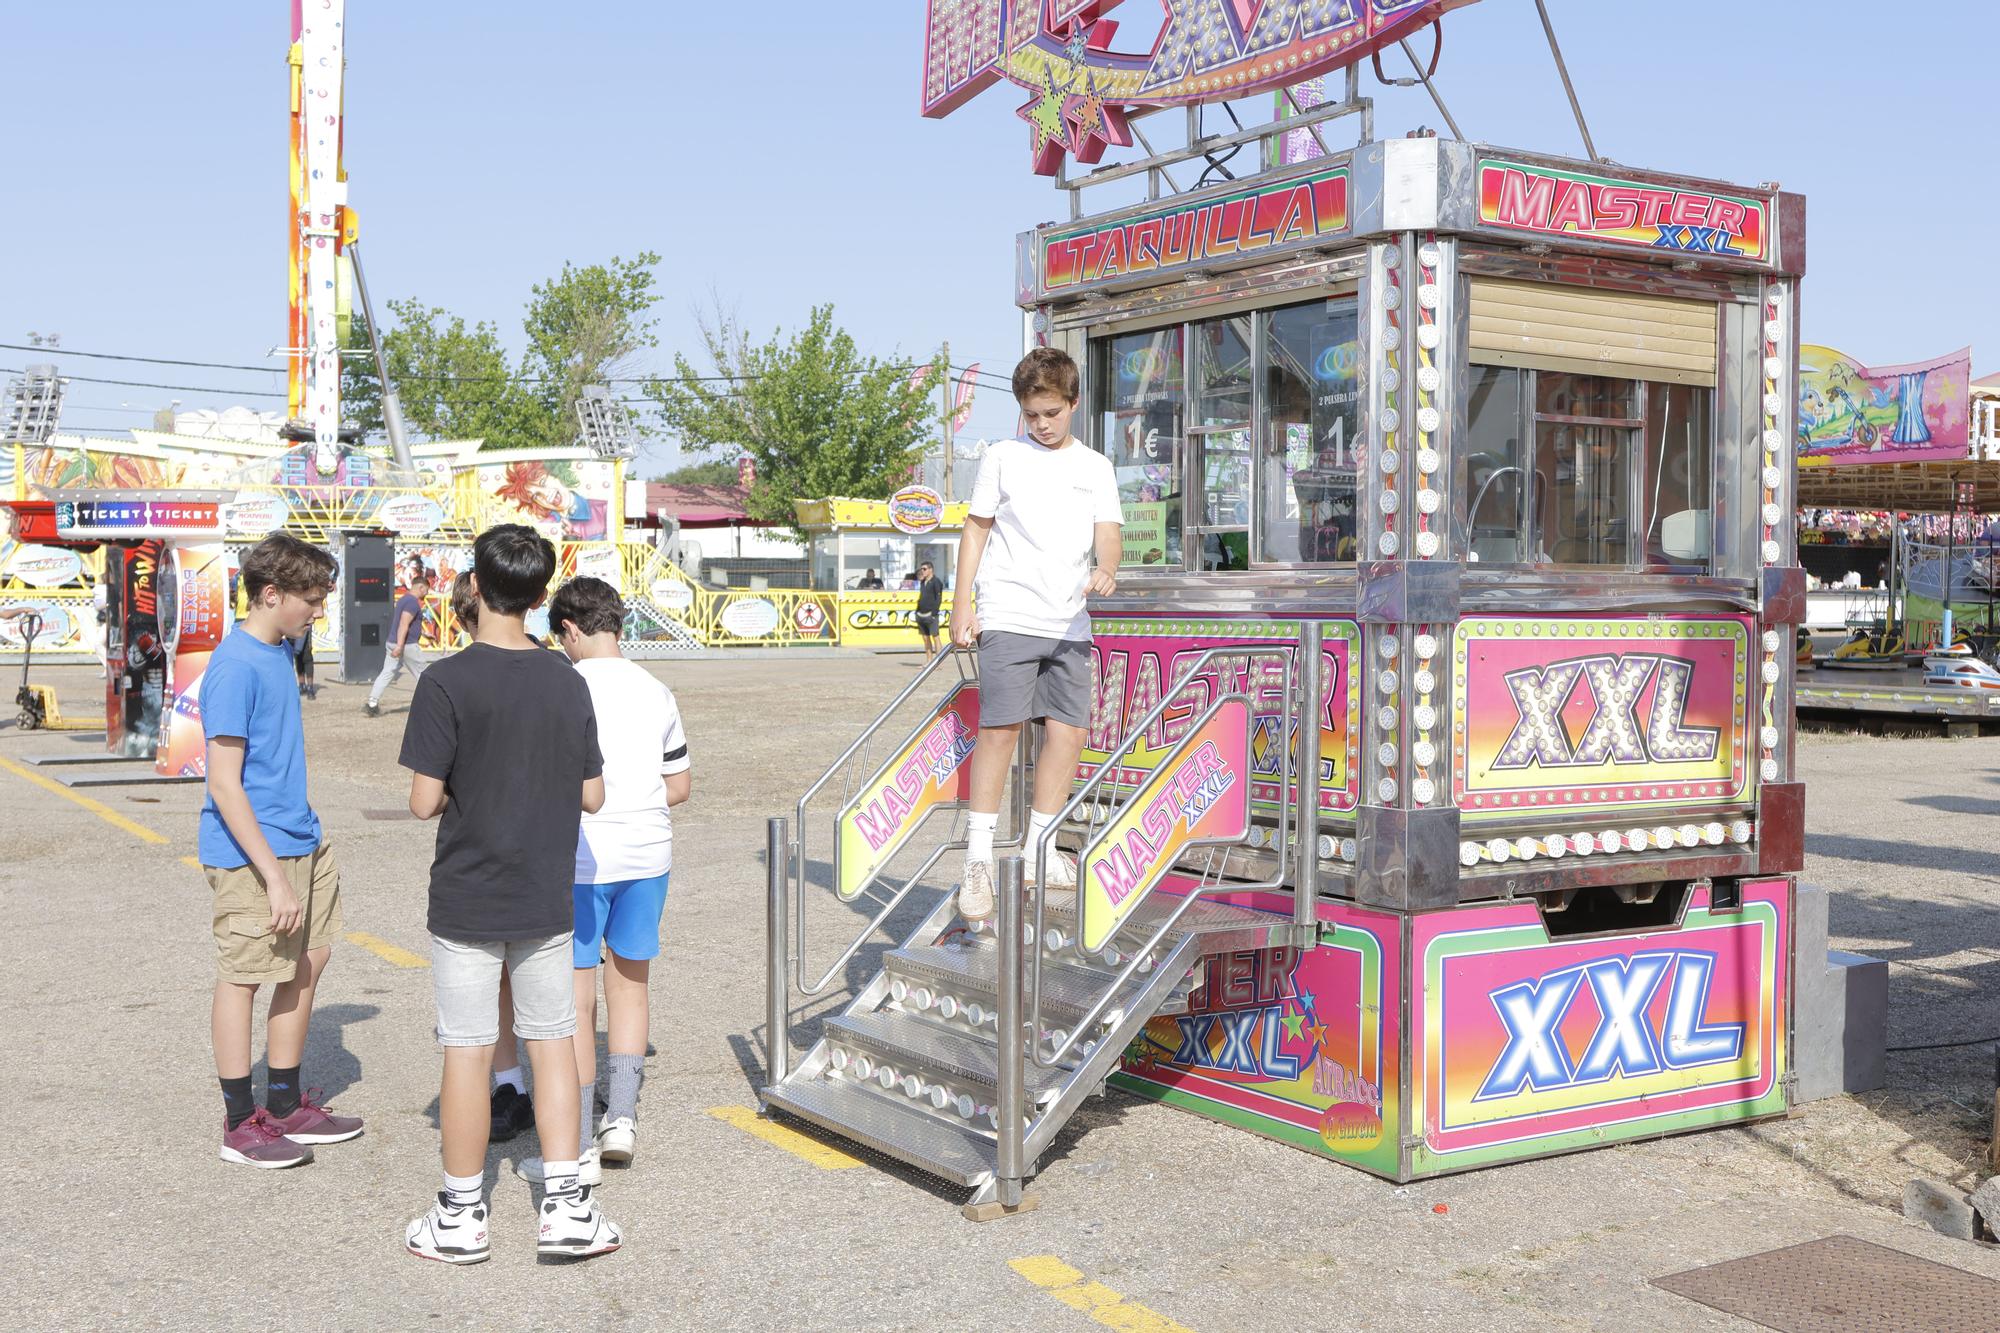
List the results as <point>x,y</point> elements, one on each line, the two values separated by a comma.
<point>1521,196</point>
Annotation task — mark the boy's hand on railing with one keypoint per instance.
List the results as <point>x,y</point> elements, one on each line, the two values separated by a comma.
<point>1102,583</point>
<point>964,627</point>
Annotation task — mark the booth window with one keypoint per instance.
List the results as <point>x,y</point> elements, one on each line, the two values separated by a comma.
<point>1590,437</point>
<point>1225,394</point>
<point>1306,469</point>
<point>1140,392</point>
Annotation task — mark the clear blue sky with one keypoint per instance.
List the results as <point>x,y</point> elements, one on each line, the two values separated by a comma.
<point>773,154</point>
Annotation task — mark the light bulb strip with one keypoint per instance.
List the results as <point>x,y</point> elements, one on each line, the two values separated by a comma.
<point>1606,842</point>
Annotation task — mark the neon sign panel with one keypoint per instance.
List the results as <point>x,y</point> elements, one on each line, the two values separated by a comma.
<point>1081,91</point>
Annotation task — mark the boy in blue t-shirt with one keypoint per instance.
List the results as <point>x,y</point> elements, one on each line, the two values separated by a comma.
<point>277,894</point>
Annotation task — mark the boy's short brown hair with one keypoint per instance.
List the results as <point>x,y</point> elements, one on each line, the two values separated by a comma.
<point>592,605</point>
<point>464,606</point>
<point>1047,370</point>
<point>284,562</point>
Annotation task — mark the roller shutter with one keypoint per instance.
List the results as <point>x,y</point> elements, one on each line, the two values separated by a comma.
<point>1544,326</point>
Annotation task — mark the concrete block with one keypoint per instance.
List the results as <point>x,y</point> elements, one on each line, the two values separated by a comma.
<point>1944,1211</point>
<point>1841,1022</point>
<point>1986,1202</point>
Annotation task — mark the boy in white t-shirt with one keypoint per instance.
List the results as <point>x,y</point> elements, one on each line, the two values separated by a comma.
<point>1041,509</point>
<point>624,854</point>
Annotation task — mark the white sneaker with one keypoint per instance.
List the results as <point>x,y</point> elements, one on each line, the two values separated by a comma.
<point>617,1140</point>
<point>1062,871</point>
<point>975,894</point>
<point>589,1170</point>
<point>572,1227</point>
<point>449,1235</point>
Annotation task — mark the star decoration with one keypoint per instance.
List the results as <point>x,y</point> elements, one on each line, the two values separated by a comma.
<point>1318,1032</point>
<point>1293,1022</point>
<point>1070,116</point>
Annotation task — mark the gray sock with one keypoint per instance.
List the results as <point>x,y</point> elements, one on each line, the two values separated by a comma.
<point>586,1118</point>
<point>627,1072</point>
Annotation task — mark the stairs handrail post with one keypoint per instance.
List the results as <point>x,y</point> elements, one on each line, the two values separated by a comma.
<point>1305,773</point>
<point>1007,1165</point>
<point>777,1015</point>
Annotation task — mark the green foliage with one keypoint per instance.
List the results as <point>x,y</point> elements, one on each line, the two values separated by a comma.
<point>712,472</point>
<point>817,416</point>
<point>457,382</point>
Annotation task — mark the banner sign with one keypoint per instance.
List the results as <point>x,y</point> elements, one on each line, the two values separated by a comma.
<point>1082,92</point>
<point>1851,413</point>
<point>1520,196</point>
<point>1302,1046</point>
<point>1574,713</point>
<point>1243,224</point>
<point>1531,1044</point>
<point>199,586</point>
<point>122,520</point>
<point>932,771</point>
<point>1199,797</point>
<point>1134,661</point>
<point>916,510</point>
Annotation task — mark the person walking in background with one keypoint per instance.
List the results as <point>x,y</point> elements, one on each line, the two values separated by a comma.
<point>502,743</point>
<point>405,649</point>
<point>276,890</point>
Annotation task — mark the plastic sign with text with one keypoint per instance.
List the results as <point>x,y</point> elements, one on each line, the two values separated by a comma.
<point>1199,797</point>
<point>138,519</point>
<point>1082,91</point>
<point>1239,225</point>
<point>1520,196</point>
<point>934,770</point>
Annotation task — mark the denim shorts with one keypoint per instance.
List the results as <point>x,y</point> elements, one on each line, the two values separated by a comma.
<point>467,980</point>
<point>623,916</point>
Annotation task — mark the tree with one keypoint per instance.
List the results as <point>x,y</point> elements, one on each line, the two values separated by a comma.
<point>457,381</point>
<point>712,472</point>
<point>817,416</point>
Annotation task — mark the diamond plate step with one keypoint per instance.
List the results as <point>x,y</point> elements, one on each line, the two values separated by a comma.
<point>912,1045</point>
<point>1067,993</point>
<point>893,1128</point>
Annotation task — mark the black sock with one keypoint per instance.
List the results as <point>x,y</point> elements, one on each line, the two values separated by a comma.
<point>281,1094</point>
<point>238,1103</point>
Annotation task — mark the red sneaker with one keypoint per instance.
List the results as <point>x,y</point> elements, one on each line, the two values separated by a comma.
<point>258,1142</point>
<point>313,1123</point>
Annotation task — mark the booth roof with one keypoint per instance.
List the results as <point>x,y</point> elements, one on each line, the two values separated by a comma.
<point>699,506</point>
<point>1918,488</point>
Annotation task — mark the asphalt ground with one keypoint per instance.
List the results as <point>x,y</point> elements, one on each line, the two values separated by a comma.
<point>123,1217</point>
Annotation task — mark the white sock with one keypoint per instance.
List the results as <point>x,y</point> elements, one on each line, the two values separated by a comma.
<point>560,1177</point>
<point>979,835</point>
<point>464,1191</point>
<point>1038,824</point>
<point>513,1076</point>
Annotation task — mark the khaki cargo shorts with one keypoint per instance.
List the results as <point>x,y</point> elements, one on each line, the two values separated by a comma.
<point>247,951</point>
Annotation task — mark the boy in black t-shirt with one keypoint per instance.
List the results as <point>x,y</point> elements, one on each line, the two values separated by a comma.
<point>502,742</point>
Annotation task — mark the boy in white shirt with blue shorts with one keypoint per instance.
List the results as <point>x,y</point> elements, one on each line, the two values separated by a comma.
<point>1042,510</point>
<point>624,854</point>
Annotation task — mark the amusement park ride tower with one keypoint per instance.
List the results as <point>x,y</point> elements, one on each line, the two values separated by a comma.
<point>1439,807</point>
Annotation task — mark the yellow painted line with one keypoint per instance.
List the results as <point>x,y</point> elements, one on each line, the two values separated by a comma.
<point>98,808</point>
<point>1095,1299</point>
<point>793,1142</point>
<point>194,861</point>
<point>387,952</point>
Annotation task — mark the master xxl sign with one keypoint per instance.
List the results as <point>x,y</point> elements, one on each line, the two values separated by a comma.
<point>1520,196</point>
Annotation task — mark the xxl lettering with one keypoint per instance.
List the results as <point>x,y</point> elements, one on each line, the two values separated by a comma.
<point>1612,733</point>
<point>1691,1042</point>
<point>1624,1041</point>
<point>1534,1054</point>
<point>1539,737</point>
<point>1668,736</point>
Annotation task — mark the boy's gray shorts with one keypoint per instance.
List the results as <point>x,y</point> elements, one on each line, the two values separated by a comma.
<point>1024,676</point>
<point>466,978</point>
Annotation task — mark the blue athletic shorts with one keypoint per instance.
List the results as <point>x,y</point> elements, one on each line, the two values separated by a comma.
<point>624,915</point>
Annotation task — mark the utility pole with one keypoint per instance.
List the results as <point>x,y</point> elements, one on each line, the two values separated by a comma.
<point>944,398</point>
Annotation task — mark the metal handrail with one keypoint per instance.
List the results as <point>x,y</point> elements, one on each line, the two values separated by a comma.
<point>1287,774</point>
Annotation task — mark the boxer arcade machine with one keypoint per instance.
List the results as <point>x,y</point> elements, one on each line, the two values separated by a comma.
<point>1483,457</point>
<point>168,585</point>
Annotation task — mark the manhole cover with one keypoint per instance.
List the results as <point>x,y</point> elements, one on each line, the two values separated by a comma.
<point>380,815</point>
<point>1841,1283</point>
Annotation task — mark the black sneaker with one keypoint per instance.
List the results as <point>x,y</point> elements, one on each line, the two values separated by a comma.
<point>513,1111</point>
<point>372,708</point>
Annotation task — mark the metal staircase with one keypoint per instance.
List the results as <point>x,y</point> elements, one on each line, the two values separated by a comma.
<point>966,1053</point>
